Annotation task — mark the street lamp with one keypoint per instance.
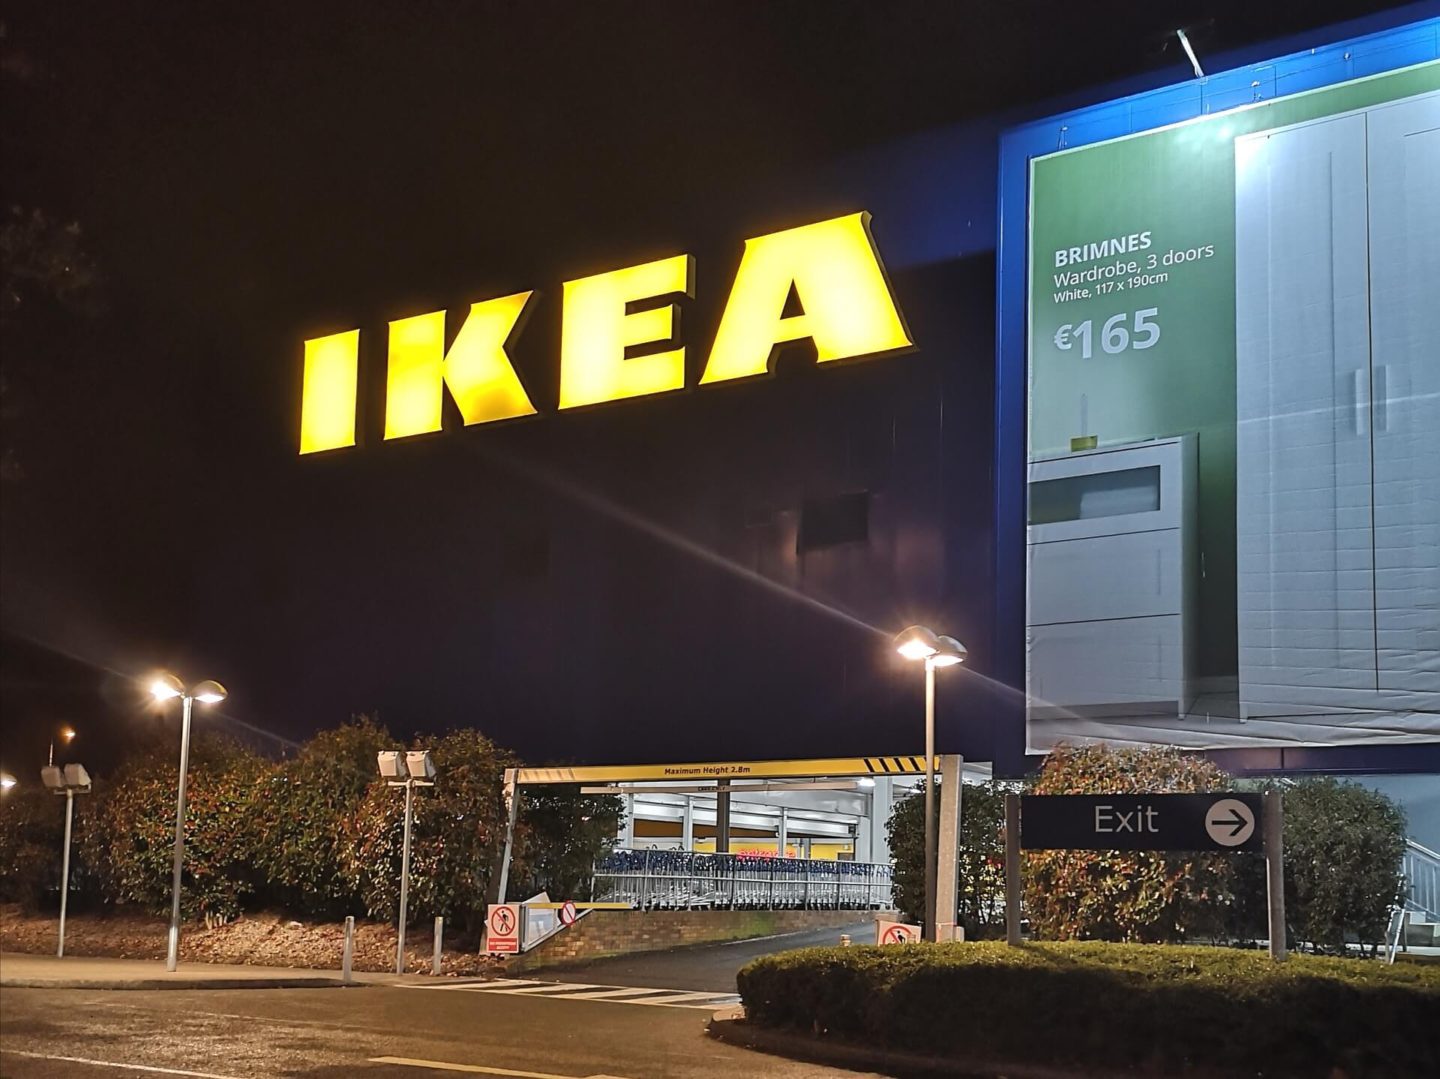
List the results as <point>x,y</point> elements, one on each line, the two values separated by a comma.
<point>163,688</point>
<point>919,643</point>
<point>67,735</point>
<point>69,781</point>
<point>408,769</point>
<point>6,782</point>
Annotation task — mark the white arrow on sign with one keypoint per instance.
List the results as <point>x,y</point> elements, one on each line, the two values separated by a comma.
<point>1230,822</point>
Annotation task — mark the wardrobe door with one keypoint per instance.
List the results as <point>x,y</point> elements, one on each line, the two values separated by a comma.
<point>1404,161</point>
<point>1306,575</point>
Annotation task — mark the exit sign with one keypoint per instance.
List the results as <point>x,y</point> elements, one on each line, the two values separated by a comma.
<point>1224,821</point>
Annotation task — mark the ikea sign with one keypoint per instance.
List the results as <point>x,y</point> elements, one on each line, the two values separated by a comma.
<point>833,267</point>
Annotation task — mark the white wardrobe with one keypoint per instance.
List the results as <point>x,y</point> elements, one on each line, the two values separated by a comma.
<point>1337,277</point>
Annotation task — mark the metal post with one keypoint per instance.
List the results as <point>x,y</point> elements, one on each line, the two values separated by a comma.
<point>930,845</point>
<point>172,948</point>
<point>65,870</point>
<point>512,801</point>
<point>439,938</point>
<point>687,826</point>
<point>404,880</point>
<point>1012,870</point>
<point>1273,822</point>
<point>947,889</point>
<point>347,955</point>
<point>722,817</point>
<point>784,837</point>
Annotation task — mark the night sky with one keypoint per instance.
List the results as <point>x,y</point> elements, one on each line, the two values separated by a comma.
<point>248,175</point>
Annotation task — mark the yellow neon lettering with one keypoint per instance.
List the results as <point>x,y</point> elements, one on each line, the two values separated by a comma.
<point>327,396</point>
<point>596,330</point>
<point>477,369</point>
<point>836,273</point>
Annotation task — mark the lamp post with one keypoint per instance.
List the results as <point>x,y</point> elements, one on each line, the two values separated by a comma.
<point>409,770</point>
<point>67,735</point>
<point>69,781</point>
<point>163,688</point>
<point>914,643</point>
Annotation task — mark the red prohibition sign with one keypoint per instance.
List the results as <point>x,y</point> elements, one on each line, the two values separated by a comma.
<point>502,922</point>
<point>896,934</point>
<point>568,914</point>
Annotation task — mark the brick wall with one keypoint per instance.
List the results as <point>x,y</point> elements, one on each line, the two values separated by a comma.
<point>622,932</point>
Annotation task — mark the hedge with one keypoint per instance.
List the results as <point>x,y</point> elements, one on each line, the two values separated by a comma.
<point>1115,1007</point>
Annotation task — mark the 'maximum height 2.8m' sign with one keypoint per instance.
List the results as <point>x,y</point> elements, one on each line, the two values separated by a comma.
<point>606,323</point>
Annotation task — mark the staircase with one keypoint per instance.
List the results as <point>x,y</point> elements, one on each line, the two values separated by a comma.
<point>1416,921</point>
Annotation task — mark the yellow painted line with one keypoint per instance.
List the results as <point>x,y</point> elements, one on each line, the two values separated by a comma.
<point>474,1069</point>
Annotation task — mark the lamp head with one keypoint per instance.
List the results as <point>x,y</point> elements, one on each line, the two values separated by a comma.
<point>67,734</point>
<point>948,653</point>
<point>6,782</point>
<point>165,686</point>
<point>209,692</point>
<point>917,642</point>
<point>392,764</point>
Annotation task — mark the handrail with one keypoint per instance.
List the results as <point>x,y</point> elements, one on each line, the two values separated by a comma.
<point>1421,868</point>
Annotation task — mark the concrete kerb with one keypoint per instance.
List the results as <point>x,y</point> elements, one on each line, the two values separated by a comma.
<point>19,971</point>
<point>729,1026</point>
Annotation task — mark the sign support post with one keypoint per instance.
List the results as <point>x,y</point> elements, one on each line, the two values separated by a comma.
<point>1273,823</point>
<point>1012,870</point>
<point>512,807</point>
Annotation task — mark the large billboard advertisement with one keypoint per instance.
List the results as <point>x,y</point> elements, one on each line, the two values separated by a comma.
<point>1234,426</point>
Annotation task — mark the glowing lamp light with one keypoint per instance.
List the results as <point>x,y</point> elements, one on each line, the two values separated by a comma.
<point>165,687</point>
<point>209,692</point>
<point>917,642</point>
<point>6,781</point>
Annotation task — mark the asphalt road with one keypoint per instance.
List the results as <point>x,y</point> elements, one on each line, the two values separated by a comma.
<point>711,967</point>
<point>385,1032</point>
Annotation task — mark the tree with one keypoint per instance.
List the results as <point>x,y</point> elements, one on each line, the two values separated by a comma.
<point>559,836</point>
<point>1343,850</point>
<point>1132,896</point>
<point>981,893</point>
<point>31,831</point>
<point>301,817</point>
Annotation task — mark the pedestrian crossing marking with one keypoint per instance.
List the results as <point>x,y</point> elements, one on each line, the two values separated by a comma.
<point>613,994</point>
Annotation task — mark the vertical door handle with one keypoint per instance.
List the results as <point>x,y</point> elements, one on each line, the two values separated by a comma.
<point>1382,397</point>
<point>1362,406</point>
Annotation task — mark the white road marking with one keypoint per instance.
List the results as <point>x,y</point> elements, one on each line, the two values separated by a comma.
<point>479,1069</point>
<point>612,994</point>
<point>114,1064</point>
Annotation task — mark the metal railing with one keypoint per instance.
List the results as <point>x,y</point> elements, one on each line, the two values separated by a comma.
<point>686,880</point>
<point>1421,867</point>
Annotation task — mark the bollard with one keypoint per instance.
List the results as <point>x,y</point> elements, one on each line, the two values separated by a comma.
<point>348,954</point>
<point>439,937</point>
<point>844,940</point>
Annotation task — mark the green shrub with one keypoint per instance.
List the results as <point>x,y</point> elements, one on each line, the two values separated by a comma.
<point>981,894</point>
<point>1111,1007</point>
<point>1143,896</point>
<point>32,829</point>
<point>302,813</point>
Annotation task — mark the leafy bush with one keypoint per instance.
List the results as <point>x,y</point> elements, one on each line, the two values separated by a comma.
<point>300,819</point>
<point>1343,849</point>
<point>1131,896</point>
<point>457,838</point>
<point>1111,1007</point>
<point>559,836</point>
<point>130,835</point>
<point>981,895</point>
<point>32,828</point>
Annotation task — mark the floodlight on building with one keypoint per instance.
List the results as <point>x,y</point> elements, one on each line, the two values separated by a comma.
<point>164,687</point>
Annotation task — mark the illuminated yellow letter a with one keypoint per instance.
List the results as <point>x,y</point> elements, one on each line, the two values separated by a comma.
<point>836,273</point>
<point>477,369</point>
